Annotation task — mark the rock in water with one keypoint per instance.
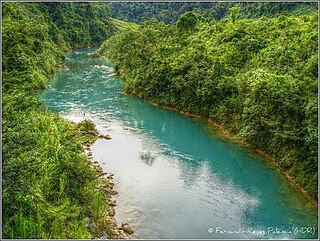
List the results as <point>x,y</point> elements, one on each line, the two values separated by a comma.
<point>126,228</point>
<point>113,192</point>
<point>129,220</point>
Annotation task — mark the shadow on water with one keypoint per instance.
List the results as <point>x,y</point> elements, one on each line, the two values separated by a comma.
<point>178,177</point>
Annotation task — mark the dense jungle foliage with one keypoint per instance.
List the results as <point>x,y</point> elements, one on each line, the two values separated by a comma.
<point>257,77</point>
<point>48,190</point>
<point>168,12</point>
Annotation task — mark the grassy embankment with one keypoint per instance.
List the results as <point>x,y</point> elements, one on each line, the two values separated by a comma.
<point>49,191</point>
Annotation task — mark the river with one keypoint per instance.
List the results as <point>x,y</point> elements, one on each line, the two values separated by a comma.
<point>175,178</point>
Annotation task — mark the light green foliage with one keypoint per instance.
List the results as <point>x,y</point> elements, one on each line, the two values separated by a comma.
<point>234,12</point>
<point>257,77</point>
<point>121,26</point>
<point>48,188</point>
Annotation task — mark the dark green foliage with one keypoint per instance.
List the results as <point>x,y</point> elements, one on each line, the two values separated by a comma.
<point>257,77</point>
<point>48,188</point>
<point>169,12</point>
<point>187,22</point>
<point>83,25</point>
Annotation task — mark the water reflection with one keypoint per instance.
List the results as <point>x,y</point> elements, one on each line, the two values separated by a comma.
<point>147,157</point>
<point>175,179</point>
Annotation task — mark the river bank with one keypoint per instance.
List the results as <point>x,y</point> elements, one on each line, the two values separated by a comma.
<point>155,153</point>
<point>223,133</point>
<point>106,186</point>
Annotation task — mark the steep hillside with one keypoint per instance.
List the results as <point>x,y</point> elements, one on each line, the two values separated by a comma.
<point>48,190</point>
<point>256,77</point>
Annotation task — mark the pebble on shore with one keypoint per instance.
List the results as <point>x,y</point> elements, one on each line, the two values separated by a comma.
<point>107,186</point>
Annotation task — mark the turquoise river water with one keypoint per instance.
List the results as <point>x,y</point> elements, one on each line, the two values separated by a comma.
<point>175,178</point>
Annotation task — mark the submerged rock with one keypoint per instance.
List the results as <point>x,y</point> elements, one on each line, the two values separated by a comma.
<point>129,220</point>
<point>133,209</point>
<point>136,214</point>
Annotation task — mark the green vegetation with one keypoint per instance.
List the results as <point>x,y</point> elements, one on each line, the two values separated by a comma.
<point>257,77</point>
<point>169,12</point>
<point>121,26</point>
<point>80,24</point>
<point>48,188</point>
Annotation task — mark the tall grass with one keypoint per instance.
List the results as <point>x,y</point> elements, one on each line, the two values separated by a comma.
<point>48,189</point>
<point>58,190</point>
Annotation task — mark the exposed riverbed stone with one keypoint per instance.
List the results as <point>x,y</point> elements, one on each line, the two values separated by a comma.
<point>112,203</point>
<point>122,235</point>
<point>112,211</point>
<point>106,185</point>
<point>107,137</point>
<point>113,223</point>
<point>95,164</point>
<point>126,228</point>
<point>115,232</point>
<point>113,192</point>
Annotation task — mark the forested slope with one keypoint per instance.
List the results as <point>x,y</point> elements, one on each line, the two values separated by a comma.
<point>48,191</point>
<point>257,77</point>
<point>168,12</point>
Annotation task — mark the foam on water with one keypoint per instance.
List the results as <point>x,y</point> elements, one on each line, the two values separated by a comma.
<point>174,178</point>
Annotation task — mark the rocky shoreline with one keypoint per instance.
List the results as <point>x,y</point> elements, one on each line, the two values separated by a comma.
<point>106,185</point>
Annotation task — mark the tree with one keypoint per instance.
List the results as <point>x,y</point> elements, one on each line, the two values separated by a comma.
<point>234,12</point>
<point>187,22</point>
